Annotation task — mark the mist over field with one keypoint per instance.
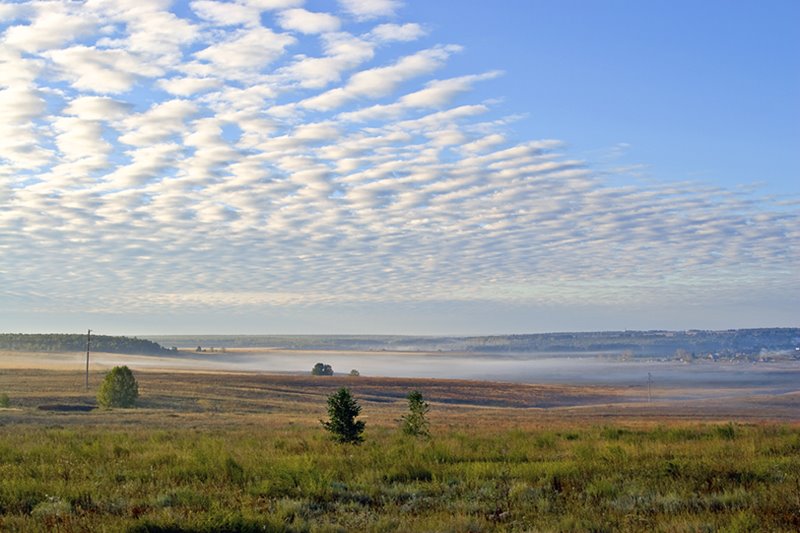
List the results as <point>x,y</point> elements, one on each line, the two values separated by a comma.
<point>547,368</point>
<point>765,358</point>
<point>676,364</point>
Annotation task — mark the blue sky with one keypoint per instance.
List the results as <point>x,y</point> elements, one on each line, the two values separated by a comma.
<point>379,166</point>
<point>665,78</point>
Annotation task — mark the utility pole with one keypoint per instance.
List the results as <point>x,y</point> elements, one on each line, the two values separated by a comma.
<point>88,345</point>
<point>649,387</point>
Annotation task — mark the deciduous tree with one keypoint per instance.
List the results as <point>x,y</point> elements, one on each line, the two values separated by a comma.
<point>321,369</point>
<point>119,388</point>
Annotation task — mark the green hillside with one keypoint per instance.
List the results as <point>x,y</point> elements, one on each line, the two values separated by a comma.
<point>68,342</point>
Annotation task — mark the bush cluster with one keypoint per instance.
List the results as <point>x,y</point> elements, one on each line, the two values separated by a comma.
<point>321,369</point>
<point>119,388</point>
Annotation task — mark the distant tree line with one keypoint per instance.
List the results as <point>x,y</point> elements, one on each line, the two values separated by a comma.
<point>649,343</point>
<point>638,343</point>
<point>68,342</point>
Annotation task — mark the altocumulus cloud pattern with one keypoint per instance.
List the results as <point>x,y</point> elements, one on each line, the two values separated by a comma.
<point>255,153</point>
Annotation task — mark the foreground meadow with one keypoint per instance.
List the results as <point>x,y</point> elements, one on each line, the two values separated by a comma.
<point>217,452</point>
<point>678,478</point>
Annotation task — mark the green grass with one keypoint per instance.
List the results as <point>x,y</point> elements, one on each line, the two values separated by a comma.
<point>685,477</point>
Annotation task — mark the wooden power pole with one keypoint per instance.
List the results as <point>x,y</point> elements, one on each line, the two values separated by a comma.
<point>88,345</point>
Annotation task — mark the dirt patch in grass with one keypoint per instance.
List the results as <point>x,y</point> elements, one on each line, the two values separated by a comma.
<point>67,408</point>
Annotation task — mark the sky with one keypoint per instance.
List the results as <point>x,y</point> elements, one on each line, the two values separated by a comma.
<point>398,167</point>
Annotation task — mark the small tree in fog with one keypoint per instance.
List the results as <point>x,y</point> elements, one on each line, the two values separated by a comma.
<point>119,388</point>
<point>321,369</point>
<point>416,422</point>
<point>343,410</point>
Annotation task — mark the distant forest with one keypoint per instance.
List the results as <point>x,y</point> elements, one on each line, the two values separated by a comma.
<point>656,343</point>
<point>651,343</point>
<point>67,342</point>
<point>681,344</point>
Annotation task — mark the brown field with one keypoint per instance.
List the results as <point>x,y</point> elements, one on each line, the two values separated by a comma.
<point>171,394</point>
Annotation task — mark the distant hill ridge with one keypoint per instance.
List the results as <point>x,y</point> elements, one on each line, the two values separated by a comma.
<point>654,343</point>
<point>68,342</point>
<point>636,343</point>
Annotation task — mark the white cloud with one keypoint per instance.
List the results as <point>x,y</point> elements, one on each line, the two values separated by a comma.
<point>9,12</point>
<point>317,132</point>
<point>387,33</point>
<point>217,156</point>
<point>245,51</point>
<point>100,70</point>
<point>187,86</point>
<point>447,137</point>
<point>307,21</point>
<point>343,52</point>
<point>160,34</point>
<point>484,143</point>
<point>158,123</point>
<point>381,81</point>
<point>97,108</point>
<point>147,164</point>
<point>212,152</point>
<point>79,139</point>
<point>240,104</point>
<point>441,92</point>
<point>274,4</point>
<point>53,26</point>
<point>20,105</point>
<point>436,94</point>
<point>146,28</point>
<point>20,145</point>
<point>370,9</point>
<point>227,13</point>
<point>18,70</point>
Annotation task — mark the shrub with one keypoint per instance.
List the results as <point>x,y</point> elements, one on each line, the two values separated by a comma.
<point>415,422</point>
<point>321,369</point>
<point>4,401</point>
<point>119,388</point>
<point>343,409</point>
<point>727,432</point>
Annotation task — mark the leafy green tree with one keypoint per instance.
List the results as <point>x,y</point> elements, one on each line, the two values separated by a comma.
<point>119,388</point>
<point>416,422</point>
<point>343,410</point>
<point>321,369</point>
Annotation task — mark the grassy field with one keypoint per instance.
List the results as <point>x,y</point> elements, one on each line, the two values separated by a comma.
<point>246,452</point>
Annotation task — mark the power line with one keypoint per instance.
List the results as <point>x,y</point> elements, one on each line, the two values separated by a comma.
<point>88,346</point>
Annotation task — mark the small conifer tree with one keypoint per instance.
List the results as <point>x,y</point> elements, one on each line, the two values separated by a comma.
<point>119,388</point>
<point>416,422</point>
<point>342,410</point>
